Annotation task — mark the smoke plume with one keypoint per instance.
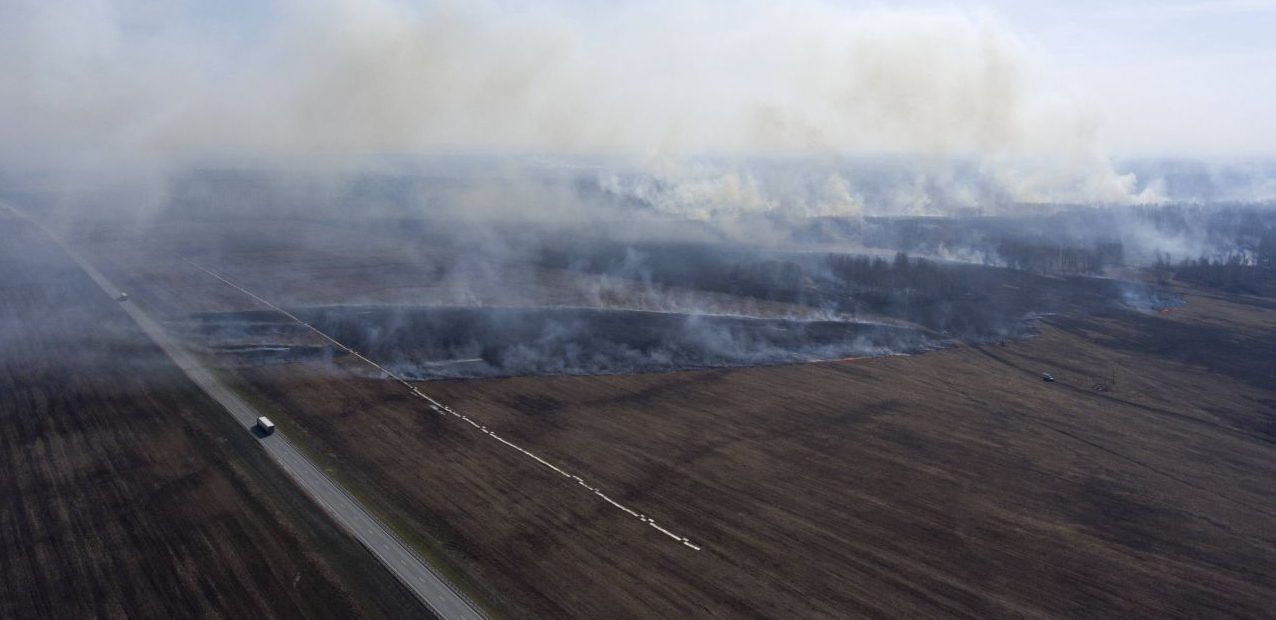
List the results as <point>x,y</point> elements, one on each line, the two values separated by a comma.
<point>123,86</point>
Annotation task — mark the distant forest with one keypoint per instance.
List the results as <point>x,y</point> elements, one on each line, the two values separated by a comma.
<point>1239,272</point>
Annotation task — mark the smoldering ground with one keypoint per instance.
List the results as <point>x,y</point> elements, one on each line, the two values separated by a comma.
<point>686,161</point>
<point>438,342</point>
<point>445,300</point>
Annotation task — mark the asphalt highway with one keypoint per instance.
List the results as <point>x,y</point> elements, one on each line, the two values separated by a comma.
<point>444,600</point>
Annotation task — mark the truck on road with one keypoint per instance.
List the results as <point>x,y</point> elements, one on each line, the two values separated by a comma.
<point>265,425</point>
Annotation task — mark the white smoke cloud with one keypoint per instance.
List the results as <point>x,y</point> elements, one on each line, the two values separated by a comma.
<point>126,84</point>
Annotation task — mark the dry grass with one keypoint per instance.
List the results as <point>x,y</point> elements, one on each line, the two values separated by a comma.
<point>128,493</point>
<point>954,483</point>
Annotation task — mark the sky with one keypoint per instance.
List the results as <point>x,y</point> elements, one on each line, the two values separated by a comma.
<point>92,79</point>
<point>1191,78</point>
<point>1194,78</point>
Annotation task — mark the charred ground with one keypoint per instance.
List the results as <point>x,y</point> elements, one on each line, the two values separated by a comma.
<point>951,483</point>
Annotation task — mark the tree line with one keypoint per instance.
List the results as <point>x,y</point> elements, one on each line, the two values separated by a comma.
<point>1251,272</point>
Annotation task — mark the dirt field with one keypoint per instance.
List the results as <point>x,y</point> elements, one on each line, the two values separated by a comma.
<point>954,483</point>
<point>127,492</point>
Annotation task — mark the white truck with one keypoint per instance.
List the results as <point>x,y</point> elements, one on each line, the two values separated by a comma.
<point>265,425</point>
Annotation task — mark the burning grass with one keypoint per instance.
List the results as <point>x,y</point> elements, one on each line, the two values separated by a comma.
<point>468,342</point>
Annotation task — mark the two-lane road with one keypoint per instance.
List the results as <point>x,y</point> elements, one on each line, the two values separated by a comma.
<point>429,586</point>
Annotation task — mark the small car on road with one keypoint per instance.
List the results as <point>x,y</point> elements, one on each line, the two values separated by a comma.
<point>265,425</point>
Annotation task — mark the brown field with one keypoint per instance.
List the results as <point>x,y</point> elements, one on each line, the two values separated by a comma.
<point>128,493</point>
<point>954,483</point>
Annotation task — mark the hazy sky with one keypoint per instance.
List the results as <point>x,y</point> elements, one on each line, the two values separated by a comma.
<point>1189,77</point>
<point>1196,77</point>
<point>1006,80</point>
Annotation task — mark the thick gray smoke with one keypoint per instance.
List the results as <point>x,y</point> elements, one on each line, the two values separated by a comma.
<point>125,86</point>
<point>679,182</point>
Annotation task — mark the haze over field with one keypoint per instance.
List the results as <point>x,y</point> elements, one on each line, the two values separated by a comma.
<point>668,157</point>
<point>581,309</point>
<point>984,103</point>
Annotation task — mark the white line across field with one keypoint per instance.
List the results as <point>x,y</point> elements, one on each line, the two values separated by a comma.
<point>400,559</point>
<point>441,409</point>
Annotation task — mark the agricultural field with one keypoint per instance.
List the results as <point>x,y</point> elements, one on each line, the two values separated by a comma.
<point>579,310</point>
<point>950,483</point>
<point>128,493</point>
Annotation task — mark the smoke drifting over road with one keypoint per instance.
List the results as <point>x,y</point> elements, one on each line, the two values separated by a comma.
<point>137,87</point>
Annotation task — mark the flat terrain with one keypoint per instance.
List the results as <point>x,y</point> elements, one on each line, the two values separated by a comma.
<point>954,483</point>
<point>128,493</point>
